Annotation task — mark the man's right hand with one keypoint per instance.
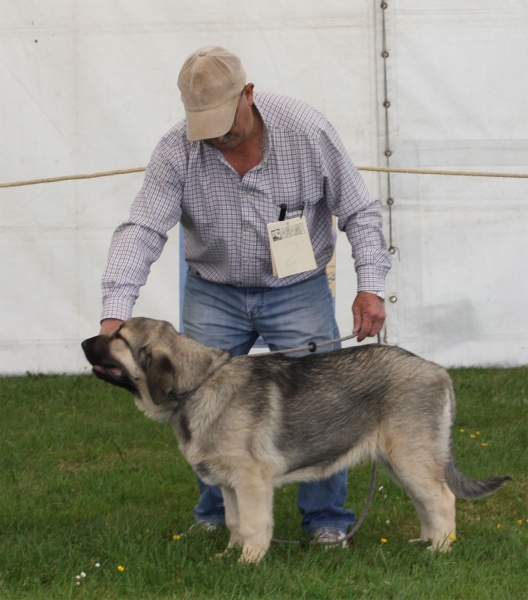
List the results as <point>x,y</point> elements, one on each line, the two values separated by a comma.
<point>109,325</point>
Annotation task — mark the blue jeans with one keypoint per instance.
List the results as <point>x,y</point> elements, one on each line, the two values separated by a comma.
<point>224,316</point>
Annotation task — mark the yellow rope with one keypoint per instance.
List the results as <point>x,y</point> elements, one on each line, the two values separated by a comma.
<point>378,169</point>
<point>436,172</point>
<point>70,177</point>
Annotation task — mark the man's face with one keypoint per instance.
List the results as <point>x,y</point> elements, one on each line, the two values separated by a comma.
<point>242,126</point>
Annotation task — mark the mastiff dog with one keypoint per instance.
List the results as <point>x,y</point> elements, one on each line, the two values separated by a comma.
<point>251,423</point>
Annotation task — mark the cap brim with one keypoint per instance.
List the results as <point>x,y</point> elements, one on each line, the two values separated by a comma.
<point>213,123</point>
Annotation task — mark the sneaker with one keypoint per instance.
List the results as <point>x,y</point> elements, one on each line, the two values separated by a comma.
<point>333,538</point>
<point>202,525</point>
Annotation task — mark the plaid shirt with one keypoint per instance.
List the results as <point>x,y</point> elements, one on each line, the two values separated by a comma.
<point>304,166</point>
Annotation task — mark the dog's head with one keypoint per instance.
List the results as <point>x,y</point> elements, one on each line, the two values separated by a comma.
<point>152,360</point>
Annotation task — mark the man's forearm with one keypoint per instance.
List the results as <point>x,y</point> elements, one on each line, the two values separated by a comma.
<point>133,250</point>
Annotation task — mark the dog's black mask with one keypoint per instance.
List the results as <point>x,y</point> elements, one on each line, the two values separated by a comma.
<point>96,351</point>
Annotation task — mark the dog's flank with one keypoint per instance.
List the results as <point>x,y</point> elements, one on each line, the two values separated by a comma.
<point>249,423</point>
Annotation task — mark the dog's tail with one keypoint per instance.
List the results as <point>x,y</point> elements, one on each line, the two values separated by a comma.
<point>462,486</point>
<point>471,489</point>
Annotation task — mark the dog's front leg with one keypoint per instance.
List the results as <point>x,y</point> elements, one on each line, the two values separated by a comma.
<point>254,494</point>
<point>232,517</point>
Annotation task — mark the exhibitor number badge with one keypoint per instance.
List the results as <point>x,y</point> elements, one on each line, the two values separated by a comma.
<point>291,248</point>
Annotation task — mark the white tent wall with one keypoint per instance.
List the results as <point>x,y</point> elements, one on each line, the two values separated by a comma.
<point>458,101</point>
<point>91,86</point>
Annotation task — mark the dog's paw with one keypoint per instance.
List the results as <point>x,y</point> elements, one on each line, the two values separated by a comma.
<point>229,551</point>
<point>442,545</point>
<point>251,556</point>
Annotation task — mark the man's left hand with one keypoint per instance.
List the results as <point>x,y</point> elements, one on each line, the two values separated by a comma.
<point>369,315</point>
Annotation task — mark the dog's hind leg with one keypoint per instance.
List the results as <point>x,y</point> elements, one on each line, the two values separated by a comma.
<point>254,493</point>
<point>423,478</point>
<point>435,504</point>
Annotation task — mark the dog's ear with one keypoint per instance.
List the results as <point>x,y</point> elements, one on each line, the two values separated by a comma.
<point>160,375</point>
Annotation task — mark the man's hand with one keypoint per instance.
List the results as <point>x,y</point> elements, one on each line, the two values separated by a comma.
<point>109,325</point>
<point>369,315</point>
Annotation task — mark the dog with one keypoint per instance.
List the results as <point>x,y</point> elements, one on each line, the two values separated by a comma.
<point>251,423</point>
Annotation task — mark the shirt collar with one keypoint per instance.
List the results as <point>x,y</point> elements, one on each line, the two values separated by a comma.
<point>267,141</point>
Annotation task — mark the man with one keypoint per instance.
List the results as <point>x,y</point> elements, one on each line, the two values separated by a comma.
<point>239,161</point>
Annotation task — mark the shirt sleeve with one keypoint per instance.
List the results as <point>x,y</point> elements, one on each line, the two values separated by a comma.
<point>358,214</point>
<point>139,241</point>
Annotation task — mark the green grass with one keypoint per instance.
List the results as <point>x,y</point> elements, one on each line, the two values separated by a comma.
<point>86,479</point>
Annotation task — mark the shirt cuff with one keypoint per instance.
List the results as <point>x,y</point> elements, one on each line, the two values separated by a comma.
<point>370,279</point>
<point>117,308</point>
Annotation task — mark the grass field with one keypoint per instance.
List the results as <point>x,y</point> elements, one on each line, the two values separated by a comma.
<point>86,480</point>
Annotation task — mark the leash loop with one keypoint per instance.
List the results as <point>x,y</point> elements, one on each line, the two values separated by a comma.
<point>311,347</point>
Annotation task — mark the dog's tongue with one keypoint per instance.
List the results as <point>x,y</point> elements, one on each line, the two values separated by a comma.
<point>111,372</point>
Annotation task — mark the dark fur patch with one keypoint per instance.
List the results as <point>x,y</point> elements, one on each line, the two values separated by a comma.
<point>184,427</point>
<point>202,470</point>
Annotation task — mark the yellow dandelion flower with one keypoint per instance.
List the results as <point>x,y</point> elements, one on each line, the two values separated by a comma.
<point>452,536</point>
<point>384,541</point>
<point>176,537</point>
<point>484,444</point>
<point>472,436</point>
<point>498,525</point>
<point>520,522</point>
<point>120,568</point>
<point>478,432</point>
<point>462,431</point>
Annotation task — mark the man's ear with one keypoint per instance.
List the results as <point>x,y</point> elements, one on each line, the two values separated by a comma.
<point>160,376</point>
<point>248,91</point>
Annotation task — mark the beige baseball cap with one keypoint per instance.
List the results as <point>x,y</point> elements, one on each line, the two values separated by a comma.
<point>210,82</point>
